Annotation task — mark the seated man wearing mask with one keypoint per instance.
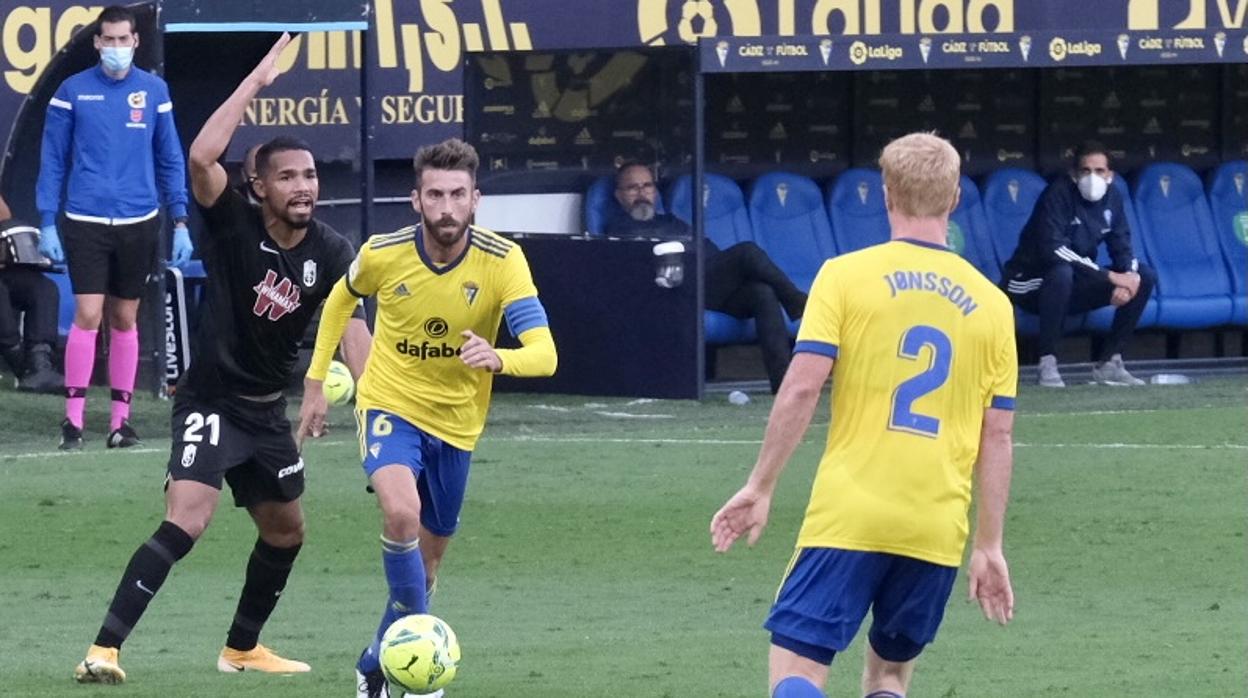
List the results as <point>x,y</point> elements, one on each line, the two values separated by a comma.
<point>741,281</point>
<point>1053,273</point>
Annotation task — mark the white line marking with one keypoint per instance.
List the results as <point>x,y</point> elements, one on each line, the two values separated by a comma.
<point>628,415</point>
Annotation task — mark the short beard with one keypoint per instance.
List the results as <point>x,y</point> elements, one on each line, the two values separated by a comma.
<point>294,224</point>
<point>641,211</point>
<point>439,236</point>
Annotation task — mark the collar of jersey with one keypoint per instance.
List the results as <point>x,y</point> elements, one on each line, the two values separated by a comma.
<point>429,263</point>
<point>110,80</point>
<point>924,243</point>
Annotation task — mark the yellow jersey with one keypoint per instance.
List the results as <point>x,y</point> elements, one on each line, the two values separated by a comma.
<point>413,369</point>
<point>923,344</point>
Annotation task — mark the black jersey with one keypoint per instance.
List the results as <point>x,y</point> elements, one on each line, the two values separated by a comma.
<point>259,299</point>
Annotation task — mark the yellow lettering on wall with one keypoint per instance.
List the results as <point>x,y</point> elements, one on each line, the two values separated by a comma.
<point>1195,18</point>
<point>412,59</point>
<point>1230,21</point>
<point>1143,15</point>
<point>387,52</point>
<point>927,16</point>
<point>337,50</point>
<point>442,41</point>
<point>29,62</point>
<point>822,14</point>
<point>975,15</point>
<point>74,19</point>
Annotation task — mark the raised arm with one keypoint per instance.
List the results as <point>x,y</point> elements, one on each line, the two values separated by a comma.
<point>208,177</point>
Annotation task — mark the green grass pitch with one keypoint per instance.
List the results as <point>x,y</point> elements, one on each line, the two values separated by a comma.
<point>583,565</point>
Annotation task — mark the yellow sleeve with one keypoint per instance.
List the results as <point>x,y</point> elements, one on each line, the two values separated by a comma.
<point>339,307</point>
<point>536,358</point>
<point>820,332</point>
<point>1004,386</point>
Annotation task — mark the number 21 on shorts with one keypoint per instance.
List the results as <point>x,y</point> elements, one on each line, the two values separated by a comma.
<point>940,356</point>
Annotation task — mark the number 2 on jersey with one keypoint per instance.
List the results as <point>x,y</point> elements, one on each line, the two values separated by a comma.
<point>937,372</point>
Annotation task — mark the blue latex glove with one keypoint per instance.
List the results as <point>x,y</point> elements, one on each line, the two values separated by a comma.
<point>50,244</point>
<point>182,247</point>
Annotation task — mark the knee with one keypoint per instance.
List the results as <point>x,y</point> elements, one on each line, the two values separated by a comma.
<point>120,320</point>
<point>286,534</point>
<point>401,521</point>
<point>87,318</point>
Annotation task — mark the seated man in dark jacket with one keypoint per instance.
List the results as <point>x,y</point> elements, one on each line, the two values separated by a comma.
<point>24,289</point>
<point>1053,272</point>
<point>741,281</point>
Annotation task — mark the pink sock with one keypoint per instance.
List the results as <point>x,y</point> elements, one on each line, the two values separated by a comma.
<point>123,362</point>
<point>79,361</point>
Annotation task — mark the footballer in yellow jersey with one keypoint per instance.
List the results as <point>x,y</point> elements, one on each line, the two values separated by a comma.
<point>442,287</point>
<point>920,349</point>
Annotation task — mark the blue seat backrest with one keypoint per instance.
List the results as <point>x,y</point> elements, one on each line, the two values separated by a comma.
<point>856,210</point>
<point>968,232</point>
<point>600,205</point>
<point>1228,200</point>
<point>791,224</point>
<point>1178,233</point>
<point>723,204</point>
<point>1009,195</point>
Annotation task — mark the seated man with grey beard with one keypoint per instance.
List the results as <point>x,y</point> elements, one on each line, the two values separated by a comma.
<point>741,281</point>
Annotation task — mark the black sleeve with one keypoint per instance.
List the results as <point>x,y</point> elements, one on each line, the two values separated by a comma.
<point>340,261</point>
<point>227,213</point>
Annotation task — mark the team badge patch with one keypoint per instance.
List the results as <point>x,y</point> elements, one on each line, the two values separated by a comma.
<point>309,272</point>
<point>188,455</point>
<point>136,115</point>
<point>137,100</point>
<point>471,289</point>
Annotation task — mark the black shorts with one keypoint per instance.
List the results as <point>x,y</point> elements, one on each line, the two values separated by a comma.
<point>110,259</point>
<point>248,444</point>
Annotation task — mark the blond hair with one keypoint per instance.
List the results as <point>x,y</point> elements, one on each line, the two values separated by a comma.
<point>921,173</point>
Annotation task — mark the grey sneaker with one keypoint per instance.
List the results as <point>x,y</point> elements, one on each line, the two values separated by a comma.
<point>1112,372</point>
<point>1049,376</point>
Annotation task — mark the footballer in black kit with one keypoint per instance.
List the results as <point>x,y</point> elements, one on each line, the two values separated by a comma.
<point>229,415</point>
<point>269,267</point>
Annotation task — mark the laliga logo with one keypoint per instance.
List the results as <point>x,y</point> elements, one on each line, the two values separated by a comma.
<point>1057,49</point>
<point>697,19</point>
<point>859,52</point>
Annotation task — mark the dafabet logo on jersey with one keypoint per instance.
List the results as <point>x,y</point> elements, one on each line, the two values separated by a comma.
<point>425,350</point>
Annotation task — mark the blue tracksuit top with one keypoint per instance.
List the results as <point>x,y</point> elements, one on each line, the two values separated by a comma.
<point>116,141</point>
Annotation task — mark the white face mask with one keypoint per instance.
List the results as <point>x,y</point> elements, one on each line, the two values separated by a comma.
<point>117,59</point>
<point>1093,187</point>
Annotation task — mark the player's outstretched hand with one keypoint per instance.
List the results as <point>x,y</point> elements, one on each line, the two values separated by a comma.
<point>266,70</point>
<point>990,584</point>
<point>477,353</point>
<point>312,412</point>
<point>746,511</point>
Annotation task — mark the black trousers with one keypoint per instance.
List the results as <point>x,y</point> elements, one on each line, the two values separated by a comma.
<point>1063,292</point>
<point>25,290</point>
<point>743,282</point>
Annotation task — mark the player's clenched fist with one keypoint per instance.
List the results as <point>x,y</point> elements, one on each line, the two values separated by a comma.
<point>477,353</point>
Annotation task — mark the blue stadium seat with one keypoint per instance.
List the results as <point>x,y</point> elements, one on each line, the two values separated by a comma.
<point>969,233</point>
<point>1100,320</point>
<point>600,205</point>
<point>727,220</point>
<point>1228,201</point>
<point>727,223</point>
<point>1008,196</point>
<point>856,210</point>
<point>791,224</point>
<point>1176,226</point>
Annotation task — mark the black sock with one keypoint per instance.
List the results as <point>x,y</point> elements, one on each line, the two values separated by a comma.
<point>148,568</point>
<point>267,571</point>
